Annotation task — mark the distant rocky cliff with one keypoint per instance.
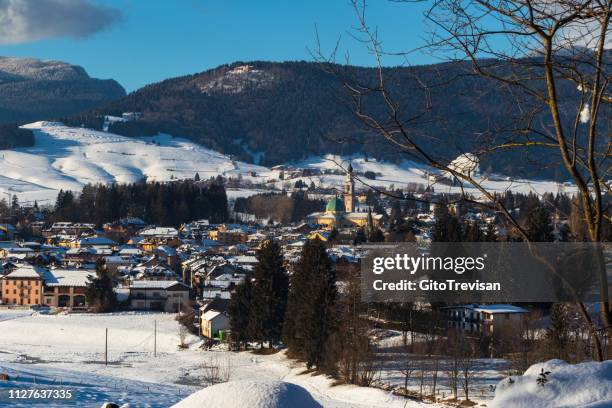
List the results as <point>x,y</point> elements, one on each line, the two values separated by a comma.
<point>31,89</point>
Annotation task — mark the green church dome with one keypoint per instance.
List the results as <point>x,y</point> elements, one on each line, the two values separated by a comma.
<point>335,205</point>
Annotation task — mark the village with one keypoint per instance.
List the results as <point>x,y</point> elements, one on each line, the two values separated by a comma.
<point>198,263</point>
<point>191,277</point>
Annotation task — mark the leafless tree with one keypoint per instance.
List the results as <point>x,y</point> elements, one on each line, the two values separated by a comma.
<point>460,363</point>
<point>434,369</point>
<point>466,366</point>
<point>351,351</point>
<point>422,370</point>
<point>408,368</point>
<point>215,371</point>
<point>532,49</point>
<point>452,373</point>
<point>182,335</point>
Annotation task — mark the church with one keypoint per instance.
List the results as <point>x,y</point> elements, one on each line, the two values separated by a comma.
<point>342,212</point>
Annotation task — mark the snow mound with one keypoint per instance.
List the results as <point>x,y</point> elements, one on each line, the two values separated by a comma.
<point>252,394</point>
<point>568,386</point>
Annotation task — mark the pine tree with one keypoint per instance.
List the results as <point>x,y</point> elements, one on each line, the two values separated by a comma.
<point>490,233</point>
<point>473,233</point>
<point>360,236</point>
<point>446,228</point>
<point>197,177</point>
<point>99,292</point>
<point>239,310</point>
<point>538,226</point>
<point>558,331</point>
<point>370,223</point>
<point>377,236</point>
<point>310,310</point>
<point>395,218</point>
<point>270,291</point>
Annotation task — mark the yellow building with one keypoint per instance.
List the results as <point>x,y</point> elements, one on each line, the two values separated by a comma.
<point>23,286</point>
<point>340,213</point>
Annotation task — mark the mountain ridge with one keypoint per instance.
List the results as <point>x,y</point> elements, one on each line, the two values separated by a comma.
<point>275,112</point>
<point>32,89</point>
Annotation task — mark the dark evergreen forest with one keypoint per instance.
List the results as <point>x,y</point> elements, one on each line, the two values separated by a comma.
<point>164,204</point>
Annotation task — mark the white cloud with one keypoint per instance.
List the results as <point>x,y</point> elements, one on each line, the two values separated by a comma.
<point>31,20</point>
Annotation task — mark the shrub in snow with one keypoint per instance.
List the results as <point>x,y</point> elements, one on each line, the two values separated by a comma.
<point>542,377</point>
<point>567,385</point>
<point>252,394</point>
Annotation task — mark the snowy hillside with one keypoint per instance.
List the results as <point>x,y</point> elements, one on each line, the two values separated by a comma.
<point>68,349</point>
<point>407,172</point>
<point>67,158</point>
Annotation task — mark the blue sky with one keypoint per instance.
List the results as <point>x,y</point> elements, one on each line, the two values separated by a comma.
<point>145,41</point>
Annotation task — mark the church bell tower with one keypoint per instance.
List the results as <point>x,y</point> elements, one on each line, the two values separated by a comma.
<point>349,191</point>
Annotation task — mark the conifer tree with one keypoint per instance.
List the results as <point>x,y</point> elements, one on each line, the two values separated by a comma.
<point>490,233</point>
<point>99,292</point>
<point>473,233</point>
<point>558,330</point>
<point>538,226</point>
<point>269,299</point>
<point>239,311</point>
<point>446,228</point>
<point>310,311</point>
<point>360,236</point>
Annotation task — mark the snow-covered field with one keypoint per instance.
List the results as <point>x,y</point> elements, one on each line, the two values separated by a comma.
<point>400,175</point>
<point>69,350</point>
<point>67,158</point>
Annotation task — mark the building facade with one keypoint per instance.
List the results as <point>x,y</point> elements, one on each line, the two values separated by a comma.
<point>23,286</point>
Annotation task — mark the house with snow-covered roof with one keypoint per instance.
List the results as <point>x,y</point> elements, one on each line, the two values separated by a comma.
<point>122,229</point>
<point>168,296</point>
<point>476,318</point>
<point>66,287</point>
<point>95,242</point>
<point>22,286</point>
<point>154,237</point>
<point>212,322</point>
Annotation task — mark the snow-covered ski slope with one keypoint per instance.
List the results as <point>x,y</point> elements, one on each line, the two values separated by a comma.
<point>68,158</point>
